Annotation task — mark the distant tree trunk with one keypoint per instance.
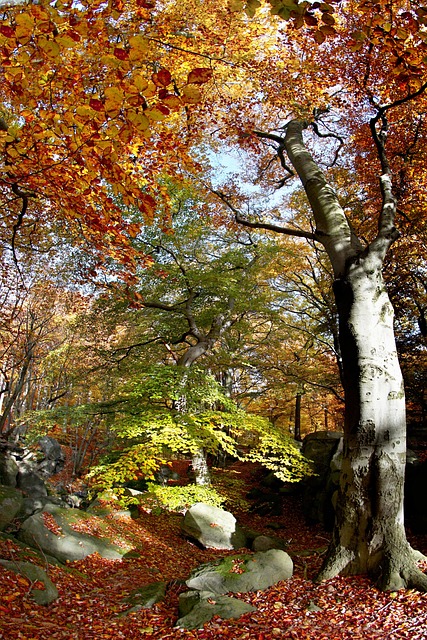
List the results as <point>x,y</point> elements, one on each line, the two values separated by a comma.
<point>199,463</point>
<point>200,468</point>
<point>297,434</point>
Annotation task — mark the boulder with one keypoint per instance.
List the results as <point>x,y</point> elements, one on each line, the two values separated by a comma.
<point>212,527</point>
<point>10,504</point>
<point>319,447</point>
<point>198,607</point>
<point>324,448</point>
<point>34,573</point>
<point>65,543</point>
<point>146,596</point>
<point>29,481</point>
<point>242,573</point>
<point>8,470</point>
<point>265,543</point>
<point>54,458</point>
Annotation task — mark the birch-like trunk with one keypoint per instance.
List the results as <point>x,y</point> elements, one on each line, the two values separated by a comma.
<point>369,535</point>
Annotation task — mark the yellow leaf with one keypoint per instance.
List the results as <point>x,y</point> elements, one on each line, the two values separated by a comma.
<point>191,94</point>
<point>85,111</point>
<point>103,144</point>
<point>139,120</point>
<point>25,21</point>
<point>155,114</point>
<point>66,41</point>
<point>114,95</point>
<point>138,46</point>
<point>112,108</point>
<point>49,47</point>
<point>140,83</point>
<point>150,91</point>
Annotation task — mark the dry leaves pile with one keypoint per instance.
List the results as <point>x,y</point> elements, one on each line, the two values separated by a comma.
<point>92,591</point>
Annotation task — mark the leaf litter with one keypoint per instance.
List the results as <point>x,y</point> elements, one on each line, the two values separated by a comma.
<point>92,591</point>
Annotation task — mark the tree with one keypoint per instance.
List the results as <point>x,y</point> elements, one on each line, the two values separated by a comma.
<point>369,535</point>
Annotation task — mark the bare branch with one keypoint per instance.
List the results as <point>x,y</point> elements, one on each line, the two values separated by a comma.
<point>264,225</point>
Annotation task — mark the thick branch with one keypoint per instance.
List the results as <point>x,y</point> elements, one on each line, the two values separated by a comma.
<point>387,233</point>
<point>264,225</point>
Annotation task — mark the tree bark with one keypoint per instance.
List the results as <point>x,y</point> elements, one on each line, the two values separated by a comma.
<point>369,535</point>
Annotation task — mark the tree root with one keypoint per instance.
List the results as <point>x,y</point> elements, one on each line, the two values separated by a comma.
<point>391,573</point>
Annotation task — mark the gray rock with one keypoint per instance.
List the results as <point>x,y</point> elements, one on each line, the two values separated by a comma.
<point>69,545</point>
<point>30,482</point>
<point>242,573</point>
<point>320,447</point>
<point>198,607</point>
<point>8,470</point>
<point>10,504</point>
<point>324,448</point>
<point>146,596</point>
<point>264,543</point>
<point>212,527</point>
<point>34,573</point>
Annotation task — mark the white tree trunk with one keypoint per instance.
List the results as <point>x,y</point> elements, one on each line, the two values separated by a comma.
<point>369,535</point>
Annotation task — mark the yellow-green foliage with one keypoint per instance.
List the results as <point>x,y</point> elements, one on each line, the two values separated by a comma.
<point>279,453</point>
<point>180,498</point>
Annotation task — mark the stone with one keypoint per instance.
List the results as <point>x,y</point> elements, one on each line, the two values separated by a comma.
<point>8,470</point>
<point>242,573</point>
<point>29,481</point>
<point>67,544</point>
<point>212,527</point>
<point>198,607</point>
<point>11,500</point>
<point>319,447</point>
<point>34,573</point>
<point>324,448</point>
<point>146,597</point>
<point>264,543</point>
<point>54,458</point>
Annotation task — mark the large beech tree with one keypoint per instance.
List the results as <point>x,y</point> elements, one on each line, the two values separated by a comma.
<point>174,79</point>
<point>369,534</point>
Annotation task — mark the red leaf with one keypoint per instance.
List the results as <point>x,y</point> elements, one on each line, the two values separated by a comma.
<point>121,54</point>
<point>7,31</point>
<point>199,76</point>
<point>162,78</point>
<point>96,104</point>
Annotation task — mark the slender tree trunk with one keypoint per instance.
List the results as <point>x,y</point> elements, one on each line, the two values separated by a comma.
<point>199,463</point>
<point>297,434</point>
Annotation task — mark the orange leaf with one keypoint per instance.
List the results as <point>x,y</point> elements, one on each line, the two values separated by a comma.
<point>199,76</point>
<point>162,78</point>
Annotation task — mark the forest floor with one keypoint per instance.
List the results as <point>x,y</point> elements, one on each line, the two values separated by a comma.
<point>92,591</point>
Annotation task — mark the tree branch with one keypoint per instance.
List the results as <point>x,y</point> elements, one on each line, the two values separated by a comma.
<point>264,225</point>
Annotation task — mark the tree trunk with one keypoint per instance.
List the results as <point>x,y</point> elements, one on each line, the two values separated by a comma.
<point>369,535</point>
<point>297,430</point>
<point>200,468</point>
